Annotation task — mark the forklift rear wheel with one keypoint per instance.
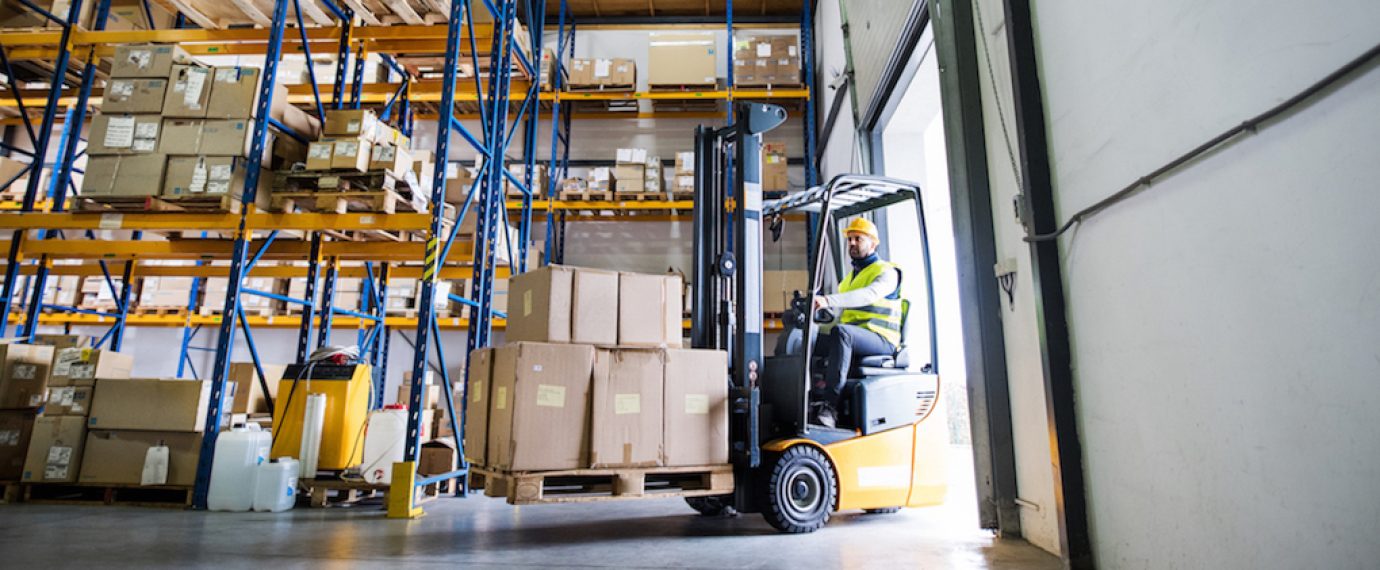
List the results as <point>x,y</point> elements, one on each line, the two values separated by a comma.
<point>883,511</point>
<point>711,506</point>
<point>800,490</point>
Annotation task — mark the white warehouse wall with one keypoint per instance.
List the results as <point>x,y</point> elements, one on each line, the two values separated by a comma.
<point>1224,322</point>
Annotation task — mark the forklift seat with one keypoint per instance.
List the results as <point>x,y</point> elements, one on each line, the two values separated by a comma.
<point>886,364</point>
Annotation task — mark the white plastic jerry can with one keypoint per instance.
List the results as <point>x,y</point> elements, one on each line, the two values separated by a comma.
<point>276,490</point>
<point>384,442</point>
<point>234,469</point>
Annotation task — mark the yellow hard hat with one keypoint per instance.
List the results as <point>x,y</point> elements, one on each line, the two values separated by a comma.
<point>863,226</point>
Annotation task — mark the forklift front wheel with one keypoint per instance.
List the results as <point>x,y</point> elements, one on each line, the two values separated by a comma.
<point>800,490</point>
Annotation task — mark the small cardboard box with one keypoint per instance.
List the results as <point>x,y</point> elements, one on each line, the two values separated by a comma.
<point>150,404</point>
<point>351,123</point>
<point>56,450</point>
<point>319,155</point>
<point>181,137</point>
<point>477,410</point>
<point>352,154</point>
<point>68,401</point>
<point>630,177</point>
<point>625,424</point>
<point>581,73</point>
<point>24,376</point>
<point>188,93</point>
<point>134,96</point>
<point>682,58</point>
<point>117,457</point>
<point>621,72</point>
<point>146,61</point>
<point>779,286</point>
<point>594,307</point>
<point>437,457</point>
<point>16,429</point>
<point>649,310</point>
<point>685,163</point>
<point>61,341</point>
<point>133,175</point>
<point>695,410</point>
<point>123,134</point>
<point>539,410</point>
<point>394,159</point>
<point>225,137</point>
<point>542,313</point>
<point>81,366</point>
<point>774,167</point>
<point>249,394</point>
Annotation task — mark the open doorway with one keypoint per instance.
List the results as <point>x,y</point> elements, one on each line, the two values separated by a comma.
<point>908,143</point>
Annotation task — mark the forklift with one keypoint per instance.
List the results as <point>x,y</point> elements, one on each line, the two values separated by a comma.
<point>887,449</point>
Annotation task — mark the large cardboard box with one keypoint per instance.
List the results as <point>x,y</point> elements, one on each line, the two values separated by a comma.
<point>117,457</point>
<point>649,310</point>
<point>134,96</point>
<point>235,94</point>
<point>123,134</point>
<point>24,372</point>
<point>625,423</point>
<point>682,58</point>
<point>56,450</point>
<point>779,286</point>
<point>61,341</point>
<point>477,410</point>
<point>249,394</point>
<point>133,175</point>
<point>147,61</point>
<point>543,302</point>
<point>150,404</point>
<point>695,410</point>
<point>774,167</point>
<point>16,427</point>
<point>621,72</point>
<point>209,176</point>
<point>225,137</point>
<point>68,401</point>
<point>539,410</point>
<point>81,366</point>
<point>594,307</point>
<point>350,123</point>
<point>181,137</point>
<point>189,91</point>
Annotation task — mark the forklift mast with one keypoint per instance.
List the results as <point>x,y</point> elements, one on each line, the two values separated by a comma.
<point>726,312</point>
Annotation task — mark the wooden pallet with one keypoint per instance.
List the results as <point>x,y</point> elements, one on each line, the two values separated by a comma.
<point>676,195</point>
<point>166,496</point>
<point>685,105</point>
<point>640,196</point>
<point>160,311</point>
<point>343,180</point>
<point>206,311</point>
<point>379,201</point>
<point>769,86</point>
<point>683,87</point>
<point>201,204</point>
<point>626,88</point>
<point>587,195</point>
<point>324,493</point>
<point>588,485</point>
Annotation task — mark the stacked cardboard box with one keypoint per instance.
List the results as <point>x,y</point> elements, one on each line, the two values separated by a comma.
<point>593,376</point>
<point>601,179</point>
<point>766,61</point>
<point>602,75</point>
<point>774,167</point>
<point>122,431</point>
<point>97,295</point>
<point>685,172</point>
<point>56,451</point>
<point>630,170</point>
<point>24,377</point>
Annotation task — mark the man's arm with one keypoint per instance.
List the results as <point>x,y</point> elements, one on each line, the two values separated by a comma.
<point>883,286</point>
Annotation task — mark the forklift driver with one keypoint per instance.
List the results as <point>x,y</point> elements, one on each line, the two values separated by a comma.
<point>870,323</point>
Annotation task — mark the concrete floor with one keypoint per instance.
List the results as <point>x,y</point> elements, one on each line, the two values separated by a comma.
<point>487,533</point>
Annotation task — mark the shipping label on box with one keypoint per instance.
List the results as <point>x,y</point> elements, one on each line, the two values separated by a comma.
<point>123,134</point>
<point>189,91</point>
<point>134,96</point>
<point>625,418</point>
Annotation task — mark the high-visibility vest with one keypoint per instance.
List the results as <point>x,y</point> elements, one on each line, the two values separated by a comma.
<point>883,316</point>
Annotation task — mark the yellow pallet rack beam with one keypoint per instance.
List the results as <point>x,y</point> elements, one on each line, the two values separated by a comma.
<point>270,321</point>
<point>156,221</point>
<point>272,271</point>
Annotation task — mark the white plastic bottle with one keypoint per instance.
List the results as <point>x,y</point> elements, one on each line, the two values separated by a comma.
<point>234,468</point>
<point>384,442</point>
<point>276,490</point>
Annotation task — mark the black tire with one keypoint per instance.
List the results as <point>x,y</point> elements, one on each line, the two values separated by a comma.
<point>883,511</point>
<point>711,506</point>
<point>800,491</point>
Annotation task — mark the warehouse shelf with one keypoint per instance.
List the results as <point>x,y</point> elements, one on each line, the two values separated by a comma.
<point>504,96</point>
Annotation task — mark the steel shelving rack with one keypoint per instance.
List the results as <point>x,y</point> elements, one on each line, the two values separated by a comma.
<point>506,104</point>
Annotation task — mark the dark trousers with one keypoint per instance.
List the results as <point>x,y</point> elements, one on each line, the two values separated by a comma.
<point>841,348</point>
